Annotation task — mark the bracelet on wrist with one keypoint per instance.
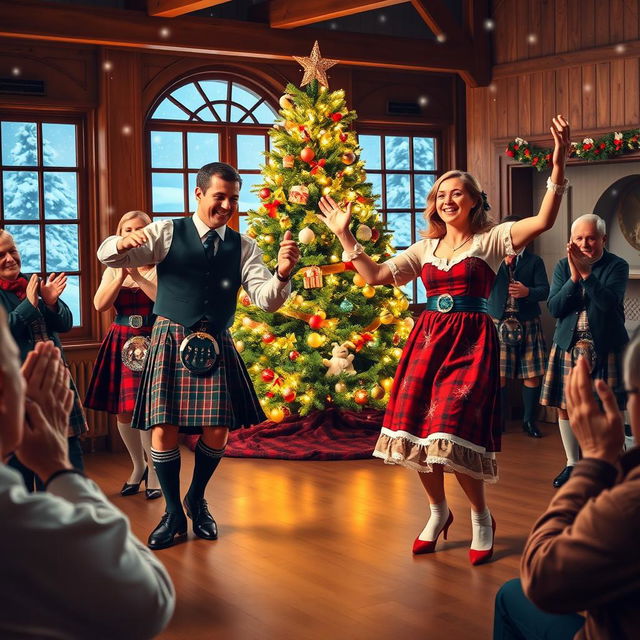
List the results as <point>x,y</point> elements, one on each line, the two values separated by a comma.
<point>558,189</point>
<point>282,278</point>
<point>348,256</point>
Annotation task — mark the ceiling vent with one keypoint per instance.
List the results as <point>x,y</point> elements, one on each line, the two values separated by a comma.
<point>403,108</point>
<point>17,86</point>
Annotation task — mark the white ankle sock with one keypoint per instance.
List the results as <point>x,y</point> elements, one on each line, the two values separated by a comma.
<point>569,442</point>
<point>482,530</point>
<point>131,439</point>
<point>437,520</point>
<point>145,438</point>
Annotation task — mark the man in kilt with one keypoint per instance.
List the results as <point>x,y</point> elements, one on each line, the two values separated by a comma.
<point>201,265</point>
<point>527,359</point>
<point>586,297</point>
<point>36,314</point>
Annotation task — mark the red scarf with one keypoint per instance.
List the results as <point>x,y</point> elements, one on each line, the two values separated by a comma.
<point>18,286</point>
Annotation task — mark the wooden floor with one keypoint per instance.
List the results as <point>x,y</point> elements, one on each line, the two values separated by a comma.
<point>322,550</point>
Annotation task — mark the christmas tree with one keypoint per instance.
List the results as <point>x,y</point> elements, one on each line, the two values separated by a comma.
<point>337,341</point>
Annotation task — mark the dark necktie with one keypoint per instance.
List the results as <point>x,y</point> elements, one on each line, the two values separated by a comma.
<point>209,244</point>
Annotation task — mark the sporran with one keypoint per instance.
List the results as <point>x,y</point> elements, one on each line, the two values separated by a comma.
<point>134,352</point>
<point>199,352</point>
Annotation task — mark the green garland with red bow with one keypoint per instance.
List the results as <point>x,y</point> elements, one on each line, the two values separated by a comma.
<point>611,145</point>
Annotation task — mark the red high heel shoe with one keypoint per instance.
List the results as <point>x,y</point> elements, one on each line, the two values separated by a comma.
<point>479,557</point>
<point>429,546</point>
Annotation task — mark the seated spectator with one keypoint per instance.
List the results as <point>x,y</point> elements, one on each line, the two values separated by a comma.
<point>71,568</point>
<point>582,554</point>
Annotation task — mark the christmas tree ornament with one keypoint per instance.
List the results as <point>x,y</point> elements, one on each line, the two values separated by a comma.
<point>336,117</point>
<point>239,346</point>
<point>277,414</point>
<point>269,394</point>
<point>397,352</point>
<point>398,293</point>
<point>358,280</point>
<point>288,161</point>
<point>396,338</point>
<point>326,139</point>
<point>386,317</point>
<point>264,193</point>
<point>315,66</point>
<point>272,208</point>
<point>377,392</point>
<point>326,191</point>
<point>306,235</point>
<point>245,301</point>
<point>322,162</point>
<point>361,396</point>
<point>268,338</point>
<point>268,238</point>
<point>348,157</point>
<point>387,384</point>
<point>375,235</point>
<point>368,291</point>
<point>363,233</point>
<point>343,137</point>
<point>312,277</point>
<point>316,321</point>
<point>288,394</point>
<point>290,126</point>
<point>409,322</point>
<point>294,355</point>
<point>298,194</point>
<point>268,375</point>
<point>403,304</point>
<point>286,101</point>
<point>346,306</point>
<point>340,387</point>
<point>315,340</point>
<point>307,154</point>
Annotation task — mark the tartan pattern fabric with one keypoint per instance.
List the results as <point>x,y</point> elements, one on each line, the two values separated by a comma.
<point>113,386</point>
<point>446,385</point>
<point>77,419</point>
<point>171,394</point>
<point>561,362</point>
<point>527,359</point>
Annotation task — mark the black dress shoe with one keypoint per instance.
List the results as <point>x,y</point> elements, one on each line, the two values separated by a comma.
<point>204,526</point>
<point>172,526</point>
<point>152,494</point>
<point>132,489</point>
<point>562,477</point>
<point>531,429</point>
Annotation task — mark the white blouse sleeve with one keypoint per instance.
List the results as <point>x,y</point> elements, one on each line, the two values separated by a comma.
<point>495,244</point>
<point>406,266</point>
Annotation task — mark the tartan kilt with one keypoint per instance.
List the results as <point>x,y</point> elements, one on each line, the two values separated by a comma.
<point>170,394</point>
<point>77,419</point>
<point>527,359</point>
<point>561,362</point>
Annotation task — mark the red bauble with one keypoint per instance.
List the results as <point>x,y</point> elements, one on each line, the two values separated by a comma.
<point>245,300</point>
<point>288,394</point>
<point>336,117</point>
<point>322,162</point>
<point>267,338</point>
<point>268,375</point>
<point>307,154</point>
<point>375,235</point>
<point>315,322</point>
<point>343,137</point>
<point>264,193</point>
<point>294,355</point>
<point>269,394</point>
<point>348,266</point>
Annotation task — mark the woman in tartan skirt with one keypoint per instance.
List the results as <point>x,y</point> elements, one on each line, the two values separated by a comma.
<point>587,299</point>
<point>113,386</point>
<point>444,413</point>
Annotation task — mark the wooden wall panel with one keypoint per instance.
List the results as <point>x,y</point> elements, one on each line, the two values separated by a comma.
<point>548,27</point>
<point>586,21</point>
<point>562,26</point>
<point>601,17</point>
<point>588,96</point>
<point>575,25</point>
<point>616,80</point>
<point>562,91</point>
<point>630,22</point>
<point>575,104</point>
<point>603,94</point>
<point>524,100</point>
<point>632,91</point>
<point>537,102</point>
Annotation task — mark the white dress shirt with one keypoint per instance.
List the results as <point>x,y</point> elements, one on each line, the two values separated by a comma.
<point>71,568</point>
<point>263,288</point>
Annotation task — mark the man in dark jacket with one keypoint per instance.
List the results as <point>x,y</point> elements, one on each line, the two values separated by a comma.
<point>586,297</point>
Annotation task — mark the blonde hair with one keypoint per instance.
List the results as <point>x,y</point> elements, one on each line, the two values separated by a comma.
<point>130,215</point>
<point>478,216</point>
<point>631,362</point>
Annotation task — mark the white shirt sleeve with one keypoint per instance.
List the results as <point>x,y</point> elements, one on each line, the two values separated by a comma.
<point>155,250</point>
<point>263,288</point>
<point>407,265</point>
<point>495,244</point>
<point>70,547</point>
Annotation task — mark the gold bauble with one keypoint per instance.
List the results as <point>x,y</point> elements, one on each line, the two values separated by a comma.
<point>386,317</point>
<point>358,280</point>
<point>408,322</point>
<point>251,233</point>
<point>397,352</point>
<point>368,291</point>
<point>326,139</point>
<point>398,293</point>
<point>315,340</point>
<point>340,387</point>
<point>377,392</point>
<point>269,239</point>
<point>298,299</point>
<point>247,321</point>
<point>277,414</point>
<point>286,102</point>
<point>240,346</point>
<point>361,396</point>
<point>321,313</point>
<point>387,384</point>
<point>403,304</point>
<point>326,191</point>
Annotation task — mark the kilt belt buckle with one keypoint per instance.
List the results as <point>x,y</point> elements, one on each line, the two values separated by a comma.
<point>444,303</point>
<point>200,351</point>
<point>135,321</point>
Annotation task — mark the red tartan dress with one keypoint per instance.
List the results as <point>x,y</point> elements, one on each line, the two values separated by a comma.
<point>113,386</point>
<point>444,406</point>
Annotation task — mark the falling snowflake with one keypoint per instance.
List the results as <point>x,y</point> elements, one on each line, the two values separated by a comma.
<point>462,392</point>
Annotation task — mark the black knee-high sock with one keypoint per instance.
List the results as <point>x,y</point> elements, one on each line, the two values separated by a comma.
<point>167,466</point>
<point>530,397</point>
<point>207,459</point>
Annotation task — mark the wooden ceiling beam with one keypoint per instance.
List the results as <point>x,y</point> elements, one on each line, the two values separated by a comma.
<point>173,8</point>
<point>285,14</point>
<point>439,19</point>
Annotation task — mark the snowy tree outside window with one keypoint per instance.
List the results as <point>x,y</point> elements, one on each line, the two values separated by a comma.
<point>39,197</point>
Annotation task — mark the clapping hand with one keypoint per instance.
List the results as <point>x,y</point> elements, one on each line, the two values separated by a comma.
<point>578,262</point>
<point>32,290</point>
<point>333,216</point>
<point>52,287</point>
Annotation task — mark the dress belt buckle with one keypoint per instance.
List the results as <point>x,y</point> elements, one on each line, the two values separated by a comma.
<point>444,303</point>
<point>135,321</point>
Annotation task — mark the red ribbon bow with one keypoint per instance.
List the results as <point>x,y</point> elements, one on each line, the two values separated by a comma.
<point>18,286</point>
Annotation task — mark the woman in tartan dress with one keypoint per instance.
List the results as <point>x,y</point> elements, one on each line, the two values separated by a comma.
<point>444,414</point>
<point>113,386</point>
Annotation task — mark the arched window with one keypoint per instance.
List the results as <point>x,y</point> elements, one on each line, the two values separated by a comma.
<point>200,121</point>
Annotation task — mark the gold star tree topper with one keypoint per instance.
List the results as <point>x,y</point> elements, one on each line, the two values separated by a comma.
<point>315,66</point>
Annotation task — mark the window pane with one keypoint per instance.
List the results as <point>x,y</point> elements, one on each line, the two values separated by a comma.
<point>422,185</point>
<point>408,290</point>
<point>27,239</point>
<point>206,114</point>
<point>424,158</point>
<point>396,152</point>
<point>189,96</point>
<point>422,293</point>
<point>20,195</point>
<point>60,195</point>
<point>215,89</point>
<point>19,144</point>
<point>166,110</point>
<point>250,151</point>
<point>202,148</point>
<point>376,187</point>
<point>59,145</point>
<point>264,114</point>
<point>400,225</point>
<point>243,223</point>
<point>193,204</point>
<point>237,114</point>
<point>398,192</point>
<point>243,96</point>
<point>249,200</point>
<point>371,151</point>
<point>71,296</point>
<point>167,192</point>
<point>61,242</point>
<point>166,149</point>
<point>420,223</point>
